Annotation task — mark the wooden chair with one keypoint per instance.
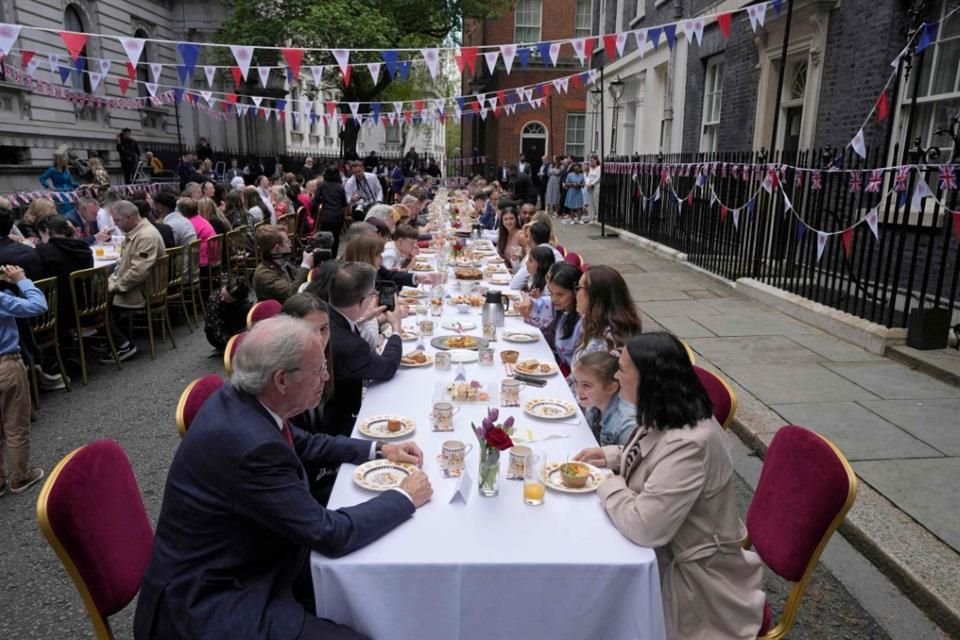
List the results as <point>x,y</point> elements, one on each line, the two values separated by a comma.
<point>91,309</point>
<point>235,252</point>
<point>175,285</point>
<point>722,397</point>
<point>92,515</point>
<point>46,332</point>
<point>214,264</point>
<point>254,260</point>
<point>191,285</point>
<point>805,490</point>
<point>155,303</point>
<point>193,398</point>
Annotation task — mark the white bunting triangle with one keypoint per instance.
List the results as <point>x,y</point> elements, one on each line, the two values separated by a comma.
<point>242,109</point>
<point>317,72</point>
<point>510,109</point>
<point>492,101</point>
<point>432,58</point>
<point>354,108</point>
<point>264,73</point>
<point>374,69</point>
<point>397,107</point>
<point>457,114</point>
<point>693,30</point>
<point>920,191</point>
<point>872,223</point>
<point>105,66</point>
<point>509,52</point>
<point>483,113</point>
<point>621,43</point>
<point>342,56</point>
<point>440,104</point>
<point>821,243</point>
<point>859,145</point>
<point>133,47</point>
<point>54,61</point>
<point>209,72</point>
<point>736,218</point>
<point>32,67</point>
<point>392,118</point>
<point>579,49</point>
<point>244,56</point>
<point>556,84</point>
<point>8,35</point>
<point>208,96</point>
<point>151,88</point>
<point>95,78</point>
<point>641,37</point>
<point>554,53</point>
<point>491,58</point>
<point>787,205</point>
<point>156,70</point>
<point>757,14</point>
<point>257,100</point>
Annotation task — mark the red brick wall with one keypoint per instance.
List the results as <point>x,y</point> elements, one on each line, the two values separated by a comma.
<point>500,138</point>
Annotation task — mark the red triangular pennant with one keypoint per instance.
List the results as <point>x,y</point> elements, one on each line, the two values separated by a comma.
<point>232,98</point>
<point>588,45</point>
<point>237,74</point>
<point>408,117</point>
<point>882,107</point>
<point>418,106</point>
<point>294,58</point>
<point>345,74</point>
<point>75,42</point>
<point>331,108</point>
<point>723,21</point>
<point>723,213</point>
<point>546,90</point>
<point>124,85</point>
<point>690,197</point>
<point>25,58</point>
<point>956,224</point>
<point>467,58</point>
<point>575,81</point>
<point>847,238</point>
<point>131,71</point>
<point>610,46</point>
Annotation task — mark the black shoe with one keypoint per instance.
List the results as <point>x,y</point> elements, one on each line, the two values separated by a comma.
<point>99,346</point>
<point>123,353</point>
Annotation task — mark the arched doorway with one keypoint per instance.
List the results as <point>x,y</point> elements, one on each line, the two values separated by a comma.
<point>73,21</point>
<point>533,144</point>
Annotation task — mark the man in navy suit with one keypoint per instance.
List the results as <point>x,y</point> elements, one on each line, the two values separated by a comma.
<point>238,521</point>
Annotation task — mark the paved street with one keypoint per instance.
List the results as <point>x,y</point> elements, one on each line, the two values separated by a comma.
<point>136,408</point>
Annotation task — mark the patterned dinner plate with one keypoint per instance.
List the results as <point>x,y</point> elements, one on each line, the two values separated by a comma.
<point>539,368</point>
<point>409,334</point>
<point>555,480</point>
<point>379,427</point>
<point>549,408</point>
<point>413,294</point>
<point>406,362</point>
<point>381,475</point>
<point>512,335</point>
<point>458,342</point>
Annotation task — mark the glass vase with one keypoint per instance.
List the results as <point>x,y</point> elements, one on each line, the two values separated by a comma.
<point>489,472</point>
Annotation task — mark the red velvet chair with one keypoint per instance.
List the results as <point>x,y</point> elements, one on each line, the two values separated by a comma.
<point>561,249</point>
<point>91,513</point>
<point>262,310</point>
<point>193,398</point>
<point>229,350</point>
<point>692,355</point>
<point>574,258</point>
<point>805,490</point>
<point>722,397</point>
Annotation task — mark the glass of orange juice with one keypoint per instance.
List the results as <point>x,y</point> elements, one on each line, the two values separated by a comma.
<point>98,252</point>
<point>533,479</point>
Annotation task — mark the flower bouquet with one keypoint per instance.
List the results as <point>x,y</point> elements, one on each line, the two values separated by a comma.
<point>456,251</point>
<point>493,439</point>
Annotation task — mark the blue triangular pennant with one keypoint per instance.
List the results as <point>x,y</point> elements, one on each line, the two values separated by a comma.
<point>178,94</point>
<point>403,70</point>
<point>902,199</point>
<point>928,35</point>
<point>751,209</point>
<point>79,65</point>
<point>523,57</point>
<point>670,31</point>
<point>544,49</point>
<point>313,117</point>
<point>281,105</point>
<point>296,118</point>
<point>801,230</point>
<point>653,35</point>
<point>375,111</point>
<point>778,6</point>
<point>584,77</point>
<point>64,73</point>
<point>390,58</point>
<point>184,73</point>
<point>189,52</point>
<point>461,101</point>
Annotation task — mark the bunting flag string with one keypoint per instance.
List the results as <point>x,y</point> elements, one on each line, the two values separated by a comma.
<point>18,198</point>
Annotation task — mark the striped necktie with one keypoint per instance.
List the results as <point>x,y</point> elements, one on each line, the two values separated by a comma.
<point>634,453</point>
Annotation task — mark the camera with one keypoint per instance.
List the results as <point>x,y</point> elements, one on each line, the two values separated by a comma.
<point>321,245</point>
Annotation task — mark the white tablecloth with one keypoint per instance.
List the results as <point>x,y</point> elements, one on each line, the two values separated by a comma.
<point>493,568</point>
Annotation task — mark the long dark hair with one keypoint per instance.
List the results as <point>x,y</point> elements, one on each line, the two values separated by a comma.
<point>545,259</point>
<point>504,234</point>
<point>565,276</point>
<point>611,308</point>
<point>669,393</point>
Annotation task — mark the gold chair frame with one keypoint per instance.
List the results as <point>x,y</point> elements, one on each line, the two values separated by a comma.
<point>44,323</point>
<point>175,285</point>
<point>98,309</point>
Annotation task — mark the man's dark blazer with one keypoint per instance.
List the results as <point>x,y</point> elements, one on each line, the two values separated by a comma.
<point>353,362</point>
<point>237,524</point>
<point>399,278</point>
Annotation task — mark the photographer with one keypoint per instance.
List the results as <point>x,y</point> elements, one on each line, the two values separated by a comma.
<point>274,279</point>
<point>362,190</point>
<point>129,152</point>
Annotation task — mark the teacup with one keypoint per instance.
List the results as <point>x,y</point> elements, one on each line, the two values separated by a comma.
<point>426,327</point>
<point>518,456</point>
<point>510,392</point>
<point>453,453</point>
<point>442,416</point>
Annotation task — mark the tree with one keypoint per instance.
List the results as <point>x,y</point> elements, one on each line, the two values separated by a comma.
<point>351,24</point>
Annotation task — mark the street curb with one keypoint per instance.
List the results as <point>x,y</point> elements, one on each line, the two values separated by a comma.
<point>923,366</point>
<point>868,500</point>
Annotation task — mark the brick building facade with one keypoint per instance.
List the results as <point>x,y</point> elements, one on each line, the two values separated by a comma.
<point>560,125</point>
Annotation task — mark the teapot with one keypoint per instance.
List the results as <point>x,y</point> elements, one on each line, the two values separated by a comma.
<point>494,308</point>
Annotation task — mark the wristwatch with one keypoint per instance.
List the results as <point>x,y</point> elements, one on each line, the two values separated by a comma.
<point>378,451</point>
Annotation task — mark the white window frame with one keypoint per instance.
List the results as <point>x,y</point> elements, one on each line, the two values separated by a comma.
<point>579,31</point>
<point>640,12</point>
<point>536,7</point>
<point>620,26</point>
<point>567,142</point>
<point>712,104</point>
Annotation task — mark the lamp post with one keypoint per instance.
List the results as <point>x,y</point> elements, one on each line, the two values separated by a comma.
<point>616,92</point>
<point>596,96</point>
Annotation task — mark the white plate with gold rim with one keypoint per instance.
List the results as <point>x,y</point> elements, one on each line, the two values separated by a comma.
<point>407,363</point>
<point>413,294</point>
<point>379,426</point>
<point>555,481</point>
<point>537,368</point>
<point>549,408</point>
<point>459,325</point>
<point>409,334</point>
<point>513,335</point>
<point>382,475</point>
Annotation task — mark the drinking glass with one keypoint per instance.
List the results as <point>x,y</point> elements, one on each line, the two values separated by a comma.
<point>534,487</point>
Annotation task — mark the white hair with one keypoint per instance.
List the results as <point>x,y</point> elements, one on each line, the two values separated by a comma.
<point>272,345</point>
<point>382,211</point>
<point>237,183</point>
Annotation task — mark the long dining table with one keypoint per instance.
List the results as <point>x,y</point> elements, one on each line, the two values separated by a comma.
<point>488,567</point>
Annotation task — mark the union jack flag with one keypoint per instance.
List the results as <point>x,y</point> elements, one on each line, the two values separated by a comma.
<point>816,181</point>
<point>664,175</point>
<point>856,181</point>
<point>798,179</point>
<point>948,177</point>
<point>876,179</point>
<point>900,182</point>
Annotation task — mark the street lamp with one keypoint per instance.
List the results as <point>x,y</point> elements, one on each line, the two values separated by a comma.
<point>616,92</point>
<point>596,97</point>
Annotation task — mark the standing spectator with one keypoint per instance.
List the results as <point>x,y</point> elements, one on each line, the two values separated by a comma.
<point>59,178</point>
<point>591,188</point>
<point>566,165</point>
<point>129,152</point>
<point>154,163</point>
<point>396,181</point>
<point>14,384</point>
<point>142,246</point>
<point>362,190</point>
<point>101,179</point>
<point>543,176</point>
<point>165,207</point>
<point>524,190</point>
<point>552,197</point>
<point>503,175</point>
<point>204,230</point>
<point>411,162</point>
<point>574,198</point>
<point>204,150</point>
<point>187,171</point>
<point>330,205</point>
<point>523,167</point>
<point>234,171</point>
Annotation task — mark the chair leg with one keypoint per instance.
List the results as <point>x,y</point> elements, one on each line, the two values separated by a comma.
<point>166,318</point>
<point>153,349</point>
<point>63,371</point>
<point>83,356</point>
<point>113,347</point>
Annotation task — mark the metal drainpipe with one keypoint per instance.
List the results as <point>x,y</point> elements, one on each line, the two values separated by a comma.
<point>668,93</point>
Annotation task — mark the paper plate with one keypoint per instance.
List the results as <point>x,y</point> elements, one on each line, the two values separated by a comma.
<point>549,408</point>
<point>409,334</point>
<point>555,482</point>
<point>376,427</point>
<point>382,475</point>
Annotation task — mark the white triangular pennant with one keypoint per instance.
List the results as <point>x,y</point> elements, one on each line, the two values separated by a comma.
<point>54,61</point>
<point>821,243</point>
<point>757,14</point>
<point>492,101</point>
<point>374,69</point>
<point>133,47</point>
<point>397,107</point>
<point>579,46</point>
<point>244,56</point>
<point>264,73</point>
<point>432,58</point>
<point>95,78</point>
<point>440,104</point>
<point>105,66</point>
<point>257,100</point>
<point>483,113</point>
<point>491,58</point>
<point>641,37</point>
<point>151,88</point>
<point>859,145</point>
<point>209,72</point>
<point>787,205</point>
<point>554,53</point>
<point>354,108</point>
<point>342,56</point>
<point>920,191</point>
<point>156,70</point>
<point>736,218</point>
<point>392,117</point>
<point>208,96</point>
<point>509,52</point>
<point>556,84</point>
<point>317,72</point>
<point>621,43</point>
<point>510,109</point>
<point>872,220</point>
<point>32,66</point>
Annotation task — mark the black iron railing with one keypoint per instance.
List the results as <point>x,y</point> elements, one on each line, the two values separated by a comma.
<point>739,228</point>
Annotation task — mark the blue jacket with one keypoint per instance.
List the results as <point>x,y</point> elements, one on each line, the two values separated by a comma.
<point>33,303</point>
<point>488,219</point>
<point>617,423</point>
<point>237,524</point>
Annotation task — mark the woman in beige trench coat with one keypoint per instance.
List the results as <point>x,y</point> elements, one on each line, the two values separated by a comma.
<point>673,490</point>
